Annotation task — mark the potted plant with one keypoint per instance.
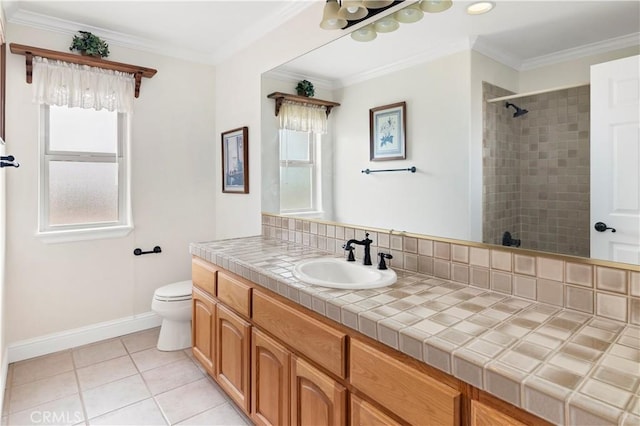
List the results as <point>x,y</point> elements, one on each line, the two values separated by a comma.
<point>89,44</point>
<point>305,88</point>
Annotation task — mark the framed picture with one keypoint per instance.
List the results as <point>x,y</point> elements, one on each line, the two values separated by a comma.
<point>387,129</point>
<point>235,161</point>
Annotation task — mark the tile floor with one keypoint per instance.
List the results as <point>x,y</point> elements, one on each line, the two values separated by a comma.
<point>121,381</point>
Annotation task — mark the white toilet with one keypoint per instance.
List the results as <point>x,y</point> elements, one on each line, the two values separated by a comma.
<point>173,303</point>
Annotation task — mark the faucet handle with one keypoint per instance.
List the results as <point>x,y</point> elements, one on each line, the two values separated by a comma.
<point>382,264</point>
<point>350,256</point>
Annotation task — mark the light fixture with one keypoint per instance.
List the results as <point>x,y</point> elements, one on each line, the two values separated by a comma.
<point>435,6</point>
<point>340,14</point>
<point>409,14</point>
<point>386,24</point>
<point>480,7</point>
<point>366,33</point>
<point>352,10</point>
<point>330,18</point>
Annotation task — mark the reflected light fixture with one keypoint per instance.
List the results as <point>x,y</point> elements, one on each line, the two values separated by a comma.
<point>366,33</point>
<point>409,14</point>
<point>339,14</point>
<point>435,6</point>
<point>480,7</point>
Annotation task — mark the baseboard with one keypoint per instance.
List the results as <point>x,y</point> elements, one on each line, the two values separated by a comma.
<point>4,372</point>
<point>55,342</point>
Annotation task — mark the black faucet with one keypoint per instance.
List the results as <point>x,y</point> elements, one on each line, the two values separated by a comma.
<point>367,249</point>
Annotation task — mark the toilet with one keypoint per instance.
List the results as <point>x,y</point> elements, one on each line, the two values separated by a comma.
<point>173,303</point>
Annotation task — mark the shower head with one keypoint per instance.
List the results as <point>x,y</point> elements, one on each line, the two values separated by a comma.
<point>519,111</point>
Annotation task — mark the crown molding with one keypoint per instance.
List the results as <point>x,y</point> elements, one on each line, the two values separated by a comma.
<point>480,45</point>
<point>616,43</point>
<point>283,74</point>
<point>67,27</point>
<point>427,56</point>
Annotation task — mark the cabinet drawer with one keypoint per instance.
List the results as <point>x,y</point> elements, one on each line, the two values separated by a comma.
<point>203,274</point>
<point>410,393</point>
<point>312,338</point>
<point>483,415</point>
<point>234,293</point>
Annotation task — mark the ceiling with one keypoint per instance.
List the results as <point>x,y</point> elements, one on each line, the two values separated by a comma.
<point>519,33</point>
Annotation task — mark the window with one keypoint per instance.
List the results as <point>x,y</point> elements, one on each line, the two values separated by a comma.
<point>299,172</point>
<point>84,180</point>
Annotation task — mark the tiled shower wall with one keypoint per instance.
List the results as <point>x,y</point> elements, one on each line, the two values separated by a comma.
<point>578,284</point>
<point>536,170</point>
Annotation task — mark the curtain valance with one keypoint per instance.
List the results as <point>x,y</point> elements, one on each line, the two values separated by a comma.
<point>63,83</point>
<point>303,117</point>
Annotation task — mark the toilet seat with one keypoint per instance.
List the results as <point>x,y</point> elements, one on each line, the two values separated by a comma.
<point>175,292</point>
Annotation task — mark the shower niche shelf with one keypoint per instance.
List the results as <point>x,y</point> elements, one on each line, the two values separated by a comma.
<point>536,92</point>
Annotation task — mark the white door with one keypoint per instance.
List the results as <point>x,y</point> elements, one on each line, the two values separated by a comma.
<point>615,160</point>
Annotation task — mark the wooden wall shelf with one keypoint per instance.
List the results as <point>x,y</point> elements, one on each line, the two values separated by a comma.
<point>280,97</point>
<point>29,52</point>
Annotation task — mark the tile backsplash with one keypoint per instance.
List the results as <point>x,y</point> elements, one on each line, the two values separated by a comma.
<point>578,284</point>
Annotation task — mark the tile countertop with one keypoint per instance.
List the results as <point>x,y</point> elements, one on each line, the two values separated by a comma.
<point>564,366</point>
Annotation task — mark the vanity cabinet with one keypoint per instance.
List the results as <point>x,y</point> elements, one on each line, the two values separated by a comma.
<point>233,335</point>
<point>316,399</point>
<point>202,330</point>
<point>409,393</point>
<point>365,414</point>
<point>286,365</point>
<point>270,380</point>
<point>483,415</point>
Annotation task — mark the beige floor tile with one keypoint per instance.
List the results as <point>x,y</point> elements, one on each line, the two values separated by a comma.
<point>105,372</point>
<point>41,391</point>
<point>114,395</point>
<point>222,415</point>
<point>98,352</point>
<point>152,358</point>
<point>140,341</point>
<point>65,411</point>
<point>141,413</point>
<point>189,400</point>
<point>41,367</point>
<point>170,376</point>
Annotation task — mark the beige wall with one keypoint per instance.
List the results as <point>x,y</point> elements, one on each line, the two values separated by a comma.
<point>57,287</point>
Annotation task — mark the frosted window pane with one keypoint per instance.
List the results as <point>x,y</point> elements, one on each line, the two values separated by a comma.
<point>295,146</point>
<point>295,188</point>
<point>83,130</point>
<point>82,192</point>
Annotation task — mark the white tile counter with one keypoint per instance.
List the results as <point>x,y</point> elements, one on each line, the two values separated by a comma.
<point>565,366</point>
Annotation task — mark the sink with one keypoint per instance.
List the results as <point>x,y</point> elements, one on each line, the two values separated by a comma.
<point>338,273</point>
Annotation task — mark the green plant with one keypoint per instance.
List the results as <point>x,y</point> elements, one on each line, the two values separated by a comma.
<point>305,88</point>
<point>89,44</point>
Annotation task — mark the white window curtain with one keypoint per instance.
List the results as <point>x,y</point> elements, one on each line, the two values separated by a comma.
<point>63,83</point>
<point>303,117</point>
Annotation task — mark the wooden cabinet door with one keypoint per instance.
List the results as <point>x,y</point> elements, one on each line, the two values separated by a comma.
<point>483,415</point>
<point>233,335</point>
<point>365,414</point>
<point>316,399</point>
<point>270,381</point>
<point>203,329</point>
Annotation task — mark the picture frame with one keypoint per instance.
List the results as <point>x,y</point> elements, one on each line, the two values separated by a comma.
<point>387,132</point>
<point>235,161</point>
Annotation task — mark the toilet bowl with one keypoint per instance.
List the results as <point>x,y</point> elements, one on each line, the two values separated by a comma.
<point>172,303</point>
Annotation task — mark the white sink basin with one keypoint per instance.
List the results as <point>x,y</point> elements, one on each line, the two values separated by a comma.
<point>338,273</point>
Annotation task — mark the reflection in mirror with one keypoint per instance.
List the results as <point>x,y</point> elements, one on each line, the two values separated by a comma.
<point>447,80</point>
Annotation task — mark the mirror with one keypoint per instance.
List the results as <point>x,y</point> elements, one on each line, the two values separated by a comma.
<point>438,66</point>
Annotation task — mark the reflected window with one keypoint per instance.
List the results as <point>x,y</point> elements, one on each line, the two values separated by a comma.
<point>299,171</point>
<point>83,176</point>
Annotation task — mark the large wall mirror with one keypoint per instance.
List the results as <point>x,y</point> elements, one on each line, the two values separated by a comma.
<point>475,157</point>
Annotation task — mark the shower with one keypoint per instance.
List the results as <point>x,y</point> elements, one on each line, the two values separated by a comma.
<point>519,111</point>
